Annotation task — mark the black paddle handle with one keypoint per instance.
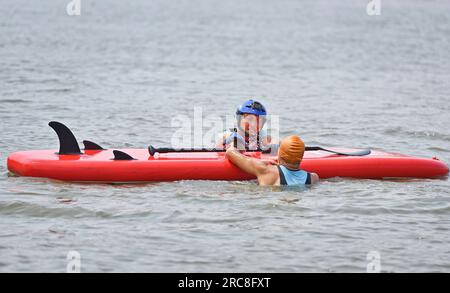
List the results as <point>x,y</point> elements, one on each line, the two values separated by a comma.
<point>313,148</point>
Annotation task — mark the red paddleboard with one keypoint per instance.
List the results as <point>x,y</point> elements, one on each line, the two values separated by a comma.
<point>99,166</point>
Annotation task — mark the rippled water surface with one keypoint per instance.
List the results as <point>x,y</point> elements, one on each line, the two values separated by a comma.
<point>117,75</point>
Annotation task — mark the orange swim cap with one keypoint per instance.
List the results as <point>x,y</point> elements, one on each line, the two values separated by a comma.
<point>291,149</point>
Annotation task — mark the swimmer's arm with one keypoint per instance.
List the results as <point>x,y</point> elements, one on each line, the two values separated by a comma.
<point>219,142</point>
<point>314,178</point>
<point>267,140</point>
<point>250,165</point>
<point>221,138</point>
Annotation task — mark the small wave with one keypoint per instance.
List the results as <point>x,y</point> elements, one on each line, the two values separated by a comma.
<point>391,210</point>
<point>62,90</point>
<point>13,101</point>
<point>438,149</point>
<point>5,173</point>
<point>417,134</point>
<point>34,210</point>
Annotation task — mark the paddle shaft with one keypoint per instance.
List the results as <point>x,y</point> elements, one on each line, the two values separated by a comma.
<point>154,150</point>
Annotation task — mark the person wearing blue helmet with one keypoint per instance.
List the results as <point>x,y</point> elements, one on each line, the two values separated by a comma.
<point>250,117</point>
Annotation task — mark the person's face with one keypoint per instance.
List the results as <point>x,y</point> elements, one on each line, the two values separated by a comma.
<point>249,122</point>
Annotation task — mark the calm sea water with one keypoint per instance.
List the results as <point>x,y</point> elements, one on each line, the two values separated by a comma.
<point>119,73</point>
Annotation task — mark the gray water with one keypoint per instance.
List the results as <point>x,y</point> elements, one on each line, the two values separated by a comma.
<point>119,72</point>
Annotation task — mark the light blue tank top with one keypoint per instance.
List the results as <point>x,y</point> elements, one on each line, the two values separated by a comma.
<point>290,177</point>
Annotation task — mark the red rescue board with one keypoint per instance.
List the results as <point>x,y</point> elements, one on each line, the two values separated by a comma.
<point>98,166</point>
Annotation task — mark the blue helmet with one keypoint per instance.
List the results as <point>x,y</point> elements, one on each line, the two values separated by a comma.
<point>251,107</point>
<point>254,108</point>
